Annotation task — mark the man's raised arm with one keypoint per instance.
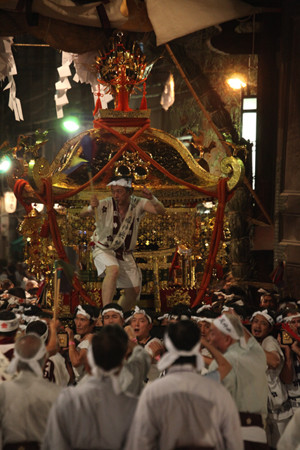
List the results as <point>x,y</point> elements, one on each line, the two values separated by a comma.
<point>153,206</point>
<point>89,211</point>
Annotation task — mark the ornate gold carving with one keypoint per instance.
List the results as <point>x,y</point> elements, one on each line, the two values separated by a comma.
<point>179,296</point>
<point>31,223</point>
<point>132,165</point>
<point>234,168</point>
<point>136,114</point>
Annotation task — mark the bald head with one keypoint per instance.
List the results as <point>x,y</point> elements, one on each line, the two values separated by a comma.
<point>225,331</point>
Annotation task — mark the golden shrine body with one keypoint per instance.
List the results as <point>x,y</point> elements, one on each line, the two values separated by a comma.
<point>171,249</point>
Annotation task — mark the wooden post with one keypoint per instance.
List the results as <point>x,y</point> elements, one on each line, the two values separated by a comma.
<point>57,278</point>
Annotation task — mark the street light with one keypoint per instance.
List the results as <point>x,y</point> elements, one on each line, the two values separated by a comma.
<point>236,81</point>
<point>71,124</point>
<point>5,164</point>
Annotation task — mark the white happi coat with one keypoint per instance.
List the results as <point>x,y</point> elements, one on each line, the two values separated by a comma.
<point>278,391</point>
<point>134,371</point>
<point>55,370</point>
<point>247,380</point>
<point>25,403</point>
<point>103,235</point>
<point>90,416</point>
<point>185,409</point>
<point>290,439</point>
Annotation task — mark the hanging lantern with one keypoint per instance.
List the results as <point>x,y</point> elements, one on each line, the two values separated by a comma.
<point>168,96</point>
<point>10,202</point>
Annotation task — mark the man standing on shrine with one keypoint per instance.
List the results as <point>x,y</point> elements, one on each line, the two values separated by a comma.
<point>114,239</point>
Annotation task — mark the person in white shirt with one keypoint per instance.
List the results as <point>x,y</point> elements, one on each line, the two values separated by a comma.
<point>95,414</point>
<point>114,239</point>
<point>26,400</point>
<point>290,438</point>
<point>183,408</point>
<point>247,380</point>
<point>279,407</point>
<point>85,320</point>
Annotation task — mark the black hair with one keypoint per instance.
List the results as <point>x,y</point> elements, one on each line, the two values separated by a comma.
<point>32,310</point>
<point>37,326</point>
<point>109,346</point>
<point>237,290</point>
<point>184,334</point>
<point>181,309</point>
<point>17,292</point>
<point>93,312</point>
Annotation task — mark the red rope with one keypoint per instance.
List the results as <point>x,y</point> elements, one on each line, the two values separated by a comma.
<point>143,124</point>
<point>111,161</point>
<point>215,241</point>
<point>48,200</point>
<point>18,191</point>
<point>129,142</point>
<point>288,329</point>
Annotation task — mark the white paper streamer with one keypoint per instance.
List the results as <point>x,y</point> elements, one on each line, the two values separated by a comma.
<point>7,70</point>
<point>63,84</point>
<point>82,64</point>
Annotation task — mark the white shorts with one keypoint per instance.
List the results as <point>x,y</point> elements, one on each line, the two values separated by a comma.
<point>129,272</point>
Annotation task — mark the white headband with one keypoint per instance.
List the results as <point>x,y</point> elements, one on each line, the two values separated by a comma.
<point>82,311</point>
<point>122,182</point>
<point>114,310</point>
<point>29,319</point>
<point>165,316</point>
<point>35,319</point>
<point>31,362</point>
<point>173,353</point>
<point>202,308</point>
<point>289,318</point>
<point>264,292</point>
<point>13,299</point>
<point>265,314</point>
<point>225,296</point>
<point>202,319</point>
<point>137,310</point>
<point>174,317</point>
<point>101,373</point>
<point>225,326</point>
<point>6,326</point>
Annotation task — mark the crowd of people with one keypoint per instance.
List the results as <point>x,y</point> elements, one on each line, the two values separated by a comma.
<point>223,375</point>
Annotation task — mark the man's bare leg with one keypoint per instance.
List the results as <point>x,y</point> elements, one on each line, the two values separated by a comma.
<point>109,284</point>
<point>129,298</point>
